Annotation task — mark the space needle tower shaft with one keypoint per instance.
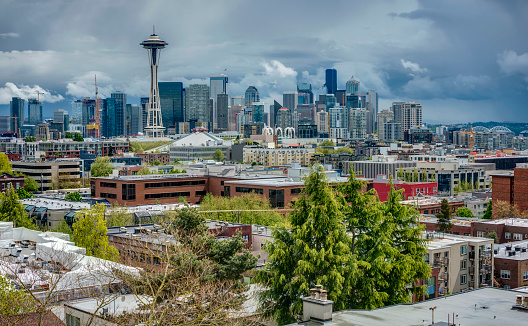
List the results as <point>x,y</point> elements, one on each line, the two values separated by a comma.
<point>154,127</point>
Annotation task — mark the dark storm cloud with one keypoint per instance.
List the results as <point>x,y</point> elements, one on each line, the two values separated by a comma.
<point>454,56</point>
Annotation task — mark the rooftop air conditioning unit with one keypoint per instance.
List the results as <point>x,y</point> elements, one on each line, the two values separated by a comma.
<point>123,229</point>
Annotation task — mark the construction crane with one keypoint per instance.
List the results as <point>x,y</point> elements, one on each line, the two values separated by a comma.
<point>471,136</point>
<point>38,94</point>
<point>95,121</point>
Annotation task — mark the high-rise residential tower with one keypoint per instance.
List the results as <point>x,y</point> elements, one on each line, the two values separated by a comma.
<point>16,114</point>
<point>384,116</point>
<point>171,102</point>
<point>290,100</point>
<point>408,115</point>
<point>197,103</point>
<point>120,113</point>
<point>217,85</point>
<point>222,101</point>
<point>252,95</point>
<point>331,81</point>
<point>372,111</point>
<point>76,112</point>
<point>154,127</point>
<point>34,111</point>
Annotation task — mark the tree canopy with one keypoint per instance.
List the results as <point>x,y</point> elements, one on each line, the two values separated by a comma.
<point>89,231</point>
<point>239,204</point>
<point>218,155</point>
<point>464,212</point>
<point>5,165</point>
<point>101,167</point>
<point>365,253</point>
<point>13,301</point>
<point>12,210</point>
<point>144,171</point>
<point>73,196</point>
<point>444,218</point>
<point>30,184</point>
<point>23,193</point>
<point>488,213</point>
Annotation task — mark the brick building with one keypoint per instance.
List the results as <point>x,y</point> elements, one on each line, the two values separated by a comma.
<point>410,189</point>
<point>461,226</point>
<point>511,264</point>
<point>147,158</point>
<point>142,244</point>
<point>7,181</point>
<point>512,187</point>
<point>507,230</point>
<point>431,205</point>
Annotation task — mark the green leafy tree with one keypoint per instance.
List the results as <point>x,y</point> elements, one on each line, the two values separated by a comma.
<point>62,227</point>
<point>316,251</point>
<point>30,184</point>
<point>444,218</point>
<point>78,137</point>
<point>68,135</point>
<point>387,247</point>
<point>23,193</point>
<point>144,171</point>
<point>5,165</point>
<point>415,176</point>
<point>488,213</point>
<point>89,231</point>
<point>218,155</point>
<point>464,212</point>
<point>101,167</point>
<point>400,174</point>
<point>262,213</point>
<point>118,216</point>
<point>73,196</point>
<point>13,301</point>
<point>327,142</point>
<point>493,235</point>
<point>11,210</point>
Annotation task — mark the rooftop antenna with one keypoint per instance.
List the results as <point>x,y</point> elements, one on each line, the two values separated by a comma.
<point>153,30</point>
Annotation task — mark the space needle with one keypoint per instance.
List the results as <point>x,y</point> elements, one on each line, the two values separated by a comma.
<point>154,126</point>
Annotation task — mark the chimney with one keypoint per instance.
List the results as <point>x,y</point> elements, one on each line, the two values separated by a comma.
<point>316,307</point>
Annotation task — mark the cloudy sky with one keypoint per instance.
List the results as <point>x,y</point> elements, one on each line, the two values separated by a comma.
<point>464,60</point>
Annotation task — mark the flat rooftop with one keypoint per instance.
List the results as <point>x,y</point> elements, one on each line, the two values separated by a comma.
<point>460,221</point>
<point>513,250</point>
<point>54,203</point>
<point>485,306</point>
<point>512,221</point>
<point>440,240</point>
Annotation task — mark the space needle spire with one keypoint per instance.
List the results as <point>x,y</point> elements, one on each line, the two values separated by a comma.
<point>154,126</point>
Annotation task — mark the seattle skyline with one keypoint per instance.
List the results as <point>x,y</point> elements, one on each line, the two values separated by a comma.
<point>463,61</point>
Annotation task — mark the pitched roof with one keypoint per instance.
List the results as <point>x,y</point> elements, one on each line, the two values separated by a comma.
<point>30,319</point>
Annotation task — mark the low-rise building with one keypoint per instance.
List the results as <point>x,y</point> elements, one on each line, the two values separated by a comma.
<point>278,156</point>
<point>431,205</point>
<point>382,185</point>
<point>511,264</point>
<point>507,229</point>
<point>463,262</point>
<point>8,181</point>
<point>51,175</point>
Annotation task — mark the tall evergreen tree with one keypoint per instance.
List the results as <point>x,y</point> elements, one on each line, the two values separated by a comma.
<point>316,251</point>
<point>387,246</point>
<point>488,213</point>
<point>444,218</point>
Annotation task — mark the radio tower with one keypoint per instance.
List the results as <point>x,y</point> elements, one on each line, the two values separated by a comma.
<point>154,126</point>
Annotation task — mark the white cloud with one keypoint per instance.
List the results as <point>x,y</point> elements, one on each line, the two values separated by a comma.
<point>84,86</point>
<point>9,35</point>
<point>25,91</point>
<point>277,69</point>
<point>510,62</point>
<point>414,67</point>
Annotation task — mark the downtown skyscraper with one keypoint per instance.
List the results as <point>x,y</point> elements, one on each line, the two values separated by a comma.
<point>217,85</point>
<point>251,95</point>
<point>172,104</point>
<point>197,106</point>
<point>16,114</point>
<point>34,111</point>
<point>331,81</point>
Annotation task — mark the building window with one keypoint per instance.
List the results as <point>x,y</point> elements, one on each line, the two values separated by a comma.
<point>481,234</point>
<point>505,274</point>
<point>463,250</point>
<point>463,264</point>
<point>525,276</point>
<point>506,287</point>
<point>295,191</point>
<point>463,279</point>
<point>517,236</point>
<point>72,320</point>
<point>507,235</point>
